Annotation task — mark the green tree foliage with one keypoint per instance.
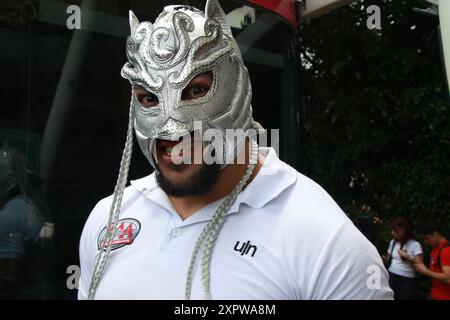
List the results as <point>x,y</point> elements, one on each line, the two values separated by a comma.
<point>377,128</point>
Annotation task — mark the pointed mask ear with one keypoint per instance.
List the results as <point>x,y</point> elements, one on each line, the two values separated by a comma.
<point>213,10</point>
<point>134,22</point>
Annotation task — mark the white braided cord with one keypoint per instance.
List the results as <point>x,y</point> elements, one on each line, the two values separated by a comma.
<point>212,230</point>
<point>105,250</point>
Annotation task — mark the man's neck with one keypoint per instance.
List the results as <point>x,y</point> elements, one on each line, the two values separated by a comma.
<point>228,179</point>
<point>441,239</point>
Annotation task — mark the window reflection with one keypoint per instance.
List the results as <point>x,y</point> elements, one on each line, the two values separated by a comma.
<point>26,232</point>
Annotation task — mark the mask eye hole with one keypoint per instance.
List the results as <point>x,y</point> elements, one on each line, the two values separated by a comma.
<point>145,98</point>
<point>198,87</point>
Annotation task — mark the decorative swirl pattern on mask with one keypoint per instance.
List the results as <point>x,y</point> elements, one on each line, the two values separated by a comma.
<point>183,24</point>
<point>170,47</point>
<point>194,65</point>
<point>142,36</point>
<point>156,49</point>
<point>135,70</point>
<point>162,43</point>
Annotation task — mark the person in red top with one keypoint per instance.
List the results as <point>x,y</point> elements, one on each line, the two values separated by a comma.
<point>439,270</point>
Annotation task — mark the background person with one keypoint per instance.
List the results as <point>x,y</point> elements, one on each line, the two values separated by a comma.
<point>26,245</point>
<point>402,252</point>
<point>439,270</point>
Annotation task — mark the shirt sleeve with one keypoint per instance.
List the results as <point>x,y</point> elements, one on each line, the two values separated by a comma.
<point>330,259</point>
<point>445,257</point>
<point>416,249</point>
<point>350,268</point>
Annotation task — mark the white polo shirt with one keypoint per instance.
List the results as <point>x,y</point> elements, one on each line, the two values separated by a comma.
<point>398,265</point>
<point>284,238</point>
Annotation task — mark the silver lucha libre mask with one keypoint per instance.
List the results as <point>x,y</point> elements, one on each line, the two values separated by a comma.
<point>165,56</point>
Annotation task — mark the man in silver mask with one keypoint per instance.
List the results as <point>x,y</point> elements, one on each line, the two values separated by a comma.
<point>188,77</point>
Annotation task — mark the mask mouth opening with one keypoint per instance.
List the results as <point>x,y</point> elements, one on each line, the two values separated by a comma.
<point>167,140</point>
<point>189,141</point>
<point>153,151</point>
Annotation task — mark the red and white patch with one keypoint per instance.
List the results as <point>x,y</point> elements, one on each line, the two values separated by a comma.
<point>126,231</point>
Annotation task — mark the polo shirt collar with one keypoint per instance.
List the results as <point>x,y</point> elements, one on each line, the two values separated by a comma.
<point>273,178</point>
<point>150,189</point>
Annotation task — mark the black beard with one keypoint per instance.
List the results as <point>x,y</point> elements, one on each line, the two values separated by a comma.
<point>199,183</point>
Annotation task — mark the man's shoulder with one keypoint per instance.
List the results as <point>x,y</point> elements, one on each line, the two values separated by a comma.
<point>445,249</point>
<point>413,243</point>
<point>20,209</point>
<point>317,235</point>
<point>307,212</point>
<point>308,199</point>
<point>284,186</point>
<point>19,202</point>
<point>310,212</point>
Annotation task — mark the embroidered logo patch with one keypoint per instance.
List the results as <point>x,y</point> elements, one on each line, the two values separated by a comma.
<point>126,231</point>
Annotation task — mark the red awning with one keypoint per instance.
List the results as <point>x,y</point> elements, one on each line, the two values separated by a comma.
<point>284,8</point>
